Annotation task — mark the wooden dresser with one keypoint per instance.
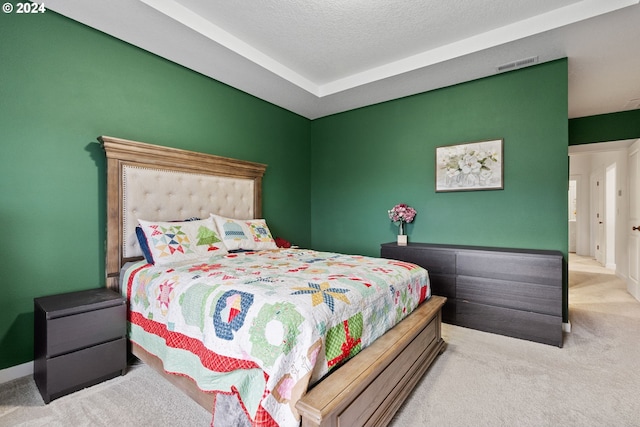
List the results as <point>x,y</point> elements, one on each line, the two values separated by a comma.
<point>512,292</point>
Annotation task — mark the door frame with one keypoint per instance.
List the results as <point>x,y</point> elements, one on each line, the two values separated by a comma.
<point>633,236</point>
<point>598,231</point>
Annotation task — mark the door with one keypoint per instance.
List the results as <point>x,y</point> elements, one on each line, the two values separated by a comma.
<point>633,284</point>
<point>598,217</point>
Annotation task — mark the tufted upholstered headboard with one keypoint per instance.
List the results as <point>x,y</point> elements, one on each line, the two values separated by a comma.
<point>157,183</point>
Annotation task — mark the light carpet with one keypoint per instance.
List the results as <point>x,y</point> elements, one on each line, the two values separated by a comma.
<point>481,379</point>
<point>139,398</point>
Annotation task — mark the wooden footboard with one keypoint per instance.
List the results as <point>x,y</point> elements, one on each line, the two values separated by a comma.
<point>369,389</point>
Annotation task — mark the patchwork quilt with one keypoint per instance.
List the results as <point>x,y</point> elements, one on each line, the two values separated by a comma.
<point>261,327</point>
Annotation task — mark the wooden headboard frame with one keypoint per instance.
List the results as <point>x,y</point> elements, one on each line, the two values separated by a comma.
<point>121,153</point>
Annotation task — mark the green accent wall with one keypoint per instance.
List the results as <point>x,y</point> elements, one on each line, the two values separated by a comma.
<point>329,182</point>
<point>62,85</point>
<point>605,127</point>
<point>367,160</point>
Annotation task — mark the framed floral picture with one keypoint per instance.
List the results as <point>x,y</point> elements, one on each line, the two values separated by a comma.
<point>470,166</point>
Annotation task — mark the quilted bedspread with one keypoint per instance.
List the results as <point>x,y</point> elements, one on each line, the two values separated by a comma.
<point>263,326</point>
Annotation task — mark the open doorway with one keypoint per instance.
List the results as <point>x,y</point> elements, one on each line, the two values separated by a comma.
<point>598,201</point>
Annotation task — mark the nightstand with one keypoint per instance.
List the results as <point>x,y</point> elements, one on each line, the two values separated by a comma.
<point>79,340</point>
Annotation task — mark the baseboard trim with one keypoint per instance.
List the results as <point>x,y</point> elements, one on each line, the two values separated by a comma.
<point>15,372</point>
<point>566,327</point>
<point>633,288</point>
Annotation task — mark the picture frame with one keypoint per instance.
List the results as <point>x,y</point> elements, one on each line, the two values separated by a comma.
<point>470,166</point>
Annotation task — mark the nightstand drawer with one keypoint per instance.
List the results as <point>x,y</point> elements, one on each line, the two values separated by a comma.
<point>70,333</point>
<point>80,369</point>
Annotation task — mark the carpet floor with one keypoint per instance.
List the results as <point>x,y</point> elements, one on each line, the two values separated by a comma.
<point>139,398</point>
<point>481,379</point>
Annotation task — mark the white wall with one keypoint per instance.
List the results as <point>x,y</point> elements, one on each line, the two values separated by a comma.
<point>580,174</point>
<point>580,170</point>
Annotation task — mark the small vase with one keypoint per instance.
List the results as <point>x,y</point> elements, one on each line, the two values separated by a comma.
<point>402,237</point>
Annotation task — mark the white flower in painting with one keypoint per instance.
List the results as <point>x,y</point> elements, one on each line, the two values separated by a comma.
<point>453,172</point>
<point>485,174</point>
<point>469,164</point>
<point>493,156</point>
<point>488,164</point>
<point>444,161</point>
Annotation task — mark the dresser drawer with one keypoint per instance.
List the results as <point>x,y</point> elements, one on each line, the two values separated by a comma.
<point>73,371</point>
<point>504,293</point>
<point>449,311</point>
<point>544,270</point>
<point>436,261</point>
<point>521,324</point>
<point>73,332</point>
<point>443,285</point>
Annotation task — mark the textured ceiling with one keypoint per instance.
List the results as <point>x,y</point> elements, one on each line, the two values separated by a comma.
<point>320,57</point>
<point>326,41</point>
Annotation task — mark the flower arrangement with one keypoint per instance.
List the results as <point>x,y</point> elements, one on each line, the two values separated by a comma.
<point>402,213</point>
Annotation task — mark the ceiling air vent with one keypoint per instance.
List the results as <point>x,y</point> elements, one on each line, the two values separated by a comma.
<point>517,64</point>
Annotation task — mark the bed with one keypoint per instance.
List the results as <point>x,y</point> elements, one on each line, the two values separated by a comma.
<point>270,368</point>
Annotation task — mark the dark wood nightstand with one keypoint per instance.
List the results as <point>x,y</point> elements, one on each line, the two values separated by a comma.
<point>79,340</point>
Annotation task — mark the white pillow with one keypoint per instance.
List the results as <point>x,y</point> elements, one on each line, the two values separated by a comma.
<point>171,242</point>
<point>245,234</point>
